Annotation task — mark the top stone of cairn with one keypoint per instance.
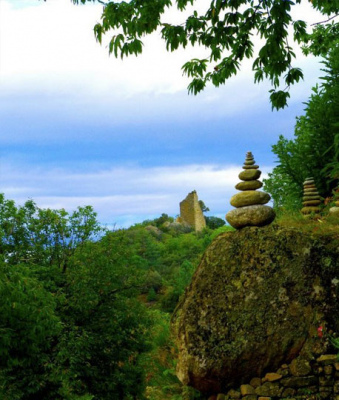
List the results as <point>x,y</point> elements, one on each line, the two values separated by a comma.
<point>249,162</point>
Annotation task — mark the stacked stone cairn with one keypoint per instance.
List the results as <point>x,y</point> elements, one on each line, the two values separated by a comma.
<point>335,209</point>
<point>250,209</point>
<point>311,198</point>
<point>300,380</point>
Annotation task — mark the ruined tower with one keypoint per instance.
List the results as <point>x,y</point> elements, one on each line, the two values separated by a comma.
<point>190,212</point>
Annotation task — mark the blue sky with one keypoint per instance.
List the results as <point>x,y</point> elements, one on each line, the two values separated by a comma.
<point>79,127</point>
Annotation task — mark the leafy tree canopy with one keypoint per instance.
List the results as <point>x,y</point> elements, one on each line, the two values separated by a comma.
<point>43,236</point>
<point>227,29</point>
<point>71,325</point>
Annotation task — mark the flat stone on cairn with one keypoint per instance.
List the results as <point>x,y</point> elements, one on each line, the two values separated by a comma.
<point>311,198</point>
<point>335,209</point>
<point>250,209</point>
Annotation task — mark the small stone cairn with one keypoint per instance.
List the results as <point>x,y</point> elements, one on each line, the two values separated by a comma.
<point>250,209</point>
<point>311,198</point>
<point>335,209</point>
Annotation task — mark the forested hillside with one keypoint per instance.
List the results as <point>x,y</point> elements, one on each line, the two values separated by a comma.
<point>85,311</point>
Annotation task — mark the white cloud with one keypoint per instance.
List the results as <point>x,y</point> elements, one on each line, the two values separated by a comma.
<point>51,48</point>
<point>120,194</point>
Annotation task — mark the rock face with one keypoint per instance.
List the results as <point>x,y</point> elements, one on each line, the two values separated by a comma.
<point>190,212</point>
<point>311,198</point>
<point>250,209</point>
<point>300,380</point>
<point>255,303</point>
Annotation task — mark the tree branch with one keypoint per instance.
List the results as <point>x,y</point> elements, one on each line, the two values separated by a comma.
<point>323,22</point>
<point>114,291</point>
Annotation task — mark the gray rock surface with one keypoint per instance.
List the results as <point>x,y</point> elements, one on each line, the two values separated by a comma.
<point>256,215</point>
<point>249,185</point>
<point>249,197</point>
<point>254,304</point>
<point>249,174</point>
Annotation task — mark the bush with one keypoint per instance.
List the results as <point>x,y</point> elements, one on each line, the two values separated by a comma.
<point>214,222</point>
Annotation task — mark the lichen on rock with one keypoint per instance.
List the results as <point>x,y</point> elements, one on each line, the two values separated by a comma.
<point>254,303</point>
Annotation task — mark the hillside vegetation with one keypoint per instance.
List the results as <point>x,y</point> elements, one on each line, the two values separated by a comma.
<point>85,311</point>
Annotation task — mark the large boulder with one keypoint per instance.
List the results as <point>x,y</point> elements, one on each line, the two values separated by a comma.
<point>255,302</point>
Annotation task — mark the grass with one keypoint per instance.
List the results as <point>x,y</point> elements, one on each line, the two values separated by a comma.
<point>322,224</point>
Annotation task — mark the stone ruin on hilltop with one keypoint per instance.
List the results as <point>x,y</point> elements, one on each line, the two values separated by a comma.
<point>191,213</point>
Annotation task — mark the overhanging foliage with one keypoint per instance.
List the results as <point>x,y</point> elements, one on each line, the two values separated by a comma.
<point>227,29</point>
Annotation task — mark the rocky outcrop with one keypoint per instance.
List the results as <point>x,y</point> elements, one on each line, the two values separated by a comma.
<point>255,303</point>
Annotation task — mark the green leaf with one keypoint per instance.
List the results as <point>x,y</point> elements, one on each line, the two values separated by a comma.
<point>196,86</point>
<point>259,75</point>
<point>279,99</point>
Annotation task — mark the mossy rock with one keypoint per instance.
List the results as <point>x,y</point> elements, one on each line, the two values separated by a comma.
<point>310,210</point>
<point>249,198</point>
<point>255,303</point>
<point>249,174</point>
<point>249,185</point>
<point>255,215</point>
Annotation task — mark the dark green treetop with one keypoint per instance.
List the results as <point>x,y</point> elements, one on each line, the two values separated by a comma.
<point>227,29</point>
<point>203,206</point>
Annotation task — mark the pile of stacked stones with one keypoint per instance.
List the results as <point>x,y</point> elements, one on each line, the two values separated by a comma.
<point>335,209</point>
<point>311,198</point>
<point>250,209</point>
<point>300,380</point>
